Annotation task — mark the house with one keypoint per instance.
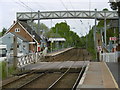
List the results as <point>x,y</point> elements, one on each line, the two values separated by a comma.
<point>22,43</point>
<point>24,30</point>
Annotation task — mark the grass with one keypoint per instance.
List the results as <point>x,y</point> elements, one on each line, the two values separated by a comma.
<point>0,33</point>
<point>0,70</point>
<point>5,71</point>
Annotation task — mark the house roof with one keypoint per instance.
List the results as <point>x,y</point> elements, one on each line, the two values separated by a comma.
<point>14,34</point>
<point>30,30</point>
<point>19,36</point>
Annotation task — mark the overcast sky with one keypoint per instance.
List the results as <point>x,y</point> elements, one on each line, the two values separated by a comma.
<point>8,9</point>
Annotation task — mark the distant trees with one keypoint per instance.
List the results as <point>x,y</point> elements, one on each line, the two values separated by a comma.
<point>43,28</point>
<point>3,31</point>
<point>63,30</point>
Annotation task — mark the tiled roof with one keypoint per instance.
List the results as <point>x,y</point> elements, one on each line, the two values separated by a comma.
<point>19,36</point>
<point>31,31</point>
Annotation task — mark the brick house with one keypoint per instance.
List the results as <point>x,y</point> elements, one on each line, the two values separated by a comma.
<point>25,31</point>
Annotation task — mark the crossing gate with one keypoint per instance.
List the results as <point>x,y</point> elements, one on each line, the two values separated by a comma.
<point>109,57</point>
<point>31,58</point>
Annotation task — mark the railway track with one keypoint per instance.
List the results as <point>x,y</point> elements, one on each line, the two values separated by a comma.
<point>71,55</point>
<point>47,77</point>
<point>64,81</point>
<point>21,80</point>
<point>50,79</point>
<point>63,78</point>
<point>53,84</point>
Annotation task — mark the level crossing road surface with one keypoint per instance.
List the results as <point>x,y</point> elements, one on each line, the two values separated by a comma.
<point>115,70</point>
<point>56,65</point>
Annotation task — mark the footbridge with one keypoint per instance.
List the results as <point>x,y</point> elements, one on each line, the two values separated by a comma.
<point>97,15</point>
<point>67,15</point>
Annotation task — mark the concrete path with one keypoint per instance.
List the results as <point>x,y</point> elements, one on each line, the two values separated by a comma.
<point>115,70</point>
<point>97,76</point>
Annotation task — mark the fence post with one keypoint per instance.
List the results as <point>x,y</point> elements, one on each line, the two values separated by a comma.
<point>15,52</point>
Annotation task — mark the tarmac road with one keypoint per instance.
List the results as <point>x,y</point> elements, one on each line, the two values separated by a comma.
<point>115,70</point>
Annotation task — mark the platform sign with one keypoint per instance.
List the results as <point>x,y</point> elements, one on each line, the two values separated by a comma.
<point>112,38</point>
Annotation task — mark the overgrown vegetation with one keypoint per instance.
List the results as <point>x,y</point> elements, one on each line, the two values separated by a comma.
<point>43,28</point>
<point>5,71</point>
<point>63,30</point>
<point>3,31</point>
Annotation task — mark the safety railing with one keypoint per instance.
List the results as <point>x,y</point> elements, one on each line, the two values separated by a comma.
<point>29,59</point>
<point>109,57</point>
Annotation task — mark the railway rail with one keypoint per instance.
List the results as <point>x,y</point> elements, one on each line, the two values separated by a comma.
<point>21,77</point>
<point>21,80</point>
<point>47,79</point>
<point>61,83</point>
<point>53,84</point>
<point>51,79</point>
<point>76,54</point>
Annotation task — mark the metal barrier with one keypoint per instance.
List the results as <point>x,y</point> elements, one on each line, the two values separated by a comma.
<point>29,59</point>
<point>109,57</point>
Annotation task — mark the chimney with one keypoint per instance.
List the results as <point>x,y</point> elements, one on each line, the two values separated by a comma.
<point>14,22</point>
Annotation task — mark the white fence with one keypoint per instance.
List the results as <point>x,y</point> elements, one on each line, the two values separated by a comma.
<point>31,58</point>
<point>109,57</point>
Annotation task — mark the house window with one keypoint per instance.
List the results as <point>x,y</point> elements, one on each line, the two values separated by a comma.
<point>17,29</point>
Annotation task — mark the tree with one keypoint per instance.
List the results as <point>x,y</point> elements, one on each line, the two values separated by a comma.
<point>113,5</point>
<point>63,30</point>
<point>0,34</point>
<point>3,31</point>
<point>43,28</point>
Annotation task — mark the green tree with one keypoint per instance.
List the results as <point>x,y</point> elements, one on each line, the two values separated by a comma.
<point>63,30</point>
<point>43,28</point>
<point>3,31</point>
<point>0,34</point>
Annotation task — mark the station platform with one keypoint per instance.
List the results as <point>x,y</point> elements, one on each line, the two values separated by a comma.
<point>97,75</point>
<point>59,52</point>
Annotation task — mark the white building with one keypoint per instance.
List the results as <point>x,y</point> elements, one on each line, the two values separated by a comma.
<point>22,43</point>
